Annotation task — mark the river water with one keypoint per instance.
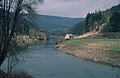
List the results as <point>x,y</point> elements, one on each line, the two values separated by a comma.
<point>44,61</point>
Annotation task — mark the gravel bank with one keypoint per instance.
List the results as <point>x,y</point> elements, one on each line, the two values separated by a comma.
<point>100,56</point>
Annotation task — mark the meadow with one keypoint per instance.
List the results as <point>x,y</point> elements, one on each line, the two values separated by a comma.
<point>105,44</point>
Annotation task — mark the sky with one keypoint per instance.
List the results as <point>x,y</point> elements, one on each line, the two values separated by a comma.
<point>74,8</point>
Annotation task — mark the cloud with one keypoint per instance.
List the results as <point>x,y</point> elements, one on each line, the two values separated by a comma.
<point>69,0</point>
<point>74,8</point>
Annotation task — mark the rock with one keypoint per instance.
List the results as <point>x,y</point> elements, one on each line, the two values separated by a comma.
<point>96,59</point>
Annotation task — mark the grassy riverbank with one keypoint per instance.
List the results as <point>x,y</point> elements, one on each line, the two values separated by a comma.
<point>112,45</point>
<point>99,50</point>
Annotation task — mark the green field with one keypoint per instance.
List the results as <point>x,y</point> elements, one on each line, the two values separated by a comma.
<point>112,45</point>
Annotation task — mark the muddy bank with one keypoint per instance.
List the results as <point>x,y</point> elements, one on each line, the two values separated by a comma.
<point>101,56</point>
<point>15,74</point>
<point>2,74</point>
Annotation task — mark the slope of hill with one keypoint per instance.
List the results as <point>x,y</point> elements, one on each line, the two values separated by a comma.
<point>100,21</point>
<point>87,34</point>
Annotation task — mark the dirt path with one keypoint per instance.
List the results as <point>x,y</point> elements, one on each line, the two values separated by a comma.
<point>87,34</point>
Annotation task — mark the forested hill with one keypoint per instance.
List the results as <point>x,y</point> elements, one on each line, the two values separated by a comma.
<point>56,22</point>
<point>100,21</point>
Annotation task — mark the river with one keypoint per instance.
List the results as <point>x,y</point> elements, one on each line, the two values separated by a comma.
<point>44,61</point>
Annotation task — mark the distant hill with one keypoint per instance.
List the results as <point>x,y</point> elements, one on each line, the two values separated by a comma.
<point>56,22</point>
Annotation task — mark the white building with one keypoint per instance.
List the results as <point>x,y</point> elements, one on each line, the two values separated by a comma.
<point>68,36</point>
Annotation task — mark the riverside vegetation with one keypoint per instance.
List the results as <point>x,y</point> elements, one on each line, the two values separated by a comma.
<point>16,22</point>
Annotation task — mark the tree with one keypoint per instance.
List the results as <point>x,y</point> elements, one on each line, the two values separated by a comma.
<point>114,23</point>
<point>78,28</point>
<point>13,11</point>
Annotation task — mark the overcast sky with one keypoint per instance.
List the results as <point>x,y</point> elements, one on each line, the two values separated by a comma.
<point>74,8</point>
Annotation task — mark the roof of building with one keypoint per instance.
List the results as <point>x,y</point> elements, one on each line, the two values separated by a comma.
<point>70,34</point>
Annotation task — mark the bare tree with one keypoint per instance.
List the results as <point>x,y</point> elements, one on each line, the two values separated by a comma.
<point>13,11</point>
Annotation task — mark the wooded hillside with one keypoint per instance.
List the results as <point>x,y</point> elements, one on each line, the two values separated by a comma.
<point>100,21</point>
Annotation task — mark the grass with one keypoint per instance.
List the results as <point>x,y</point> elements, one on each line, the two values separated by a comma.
<point>98,44</point>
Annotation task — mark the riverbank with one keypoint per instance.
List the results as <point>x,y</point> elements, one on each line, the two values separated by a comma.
<point>99,50</point>
<point>15,74</point>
